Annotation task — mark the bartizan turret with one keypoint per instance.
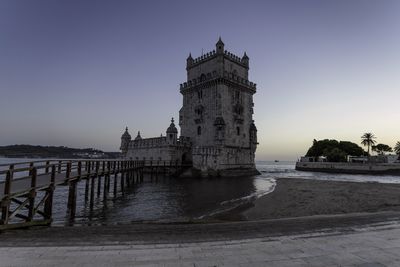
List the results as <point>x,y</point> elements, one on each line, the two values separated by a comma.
<point>125,140</point>
<point>172,133</point>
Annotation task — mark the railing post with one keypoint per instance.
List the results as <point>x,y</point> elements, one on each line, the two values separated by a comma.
<point>92,189</point>
<point>59,166</point>
<point>71,205</point>
<point>115,178</point>
<point>79,170</point>
<point>5,202</point>
<point>32,194</point>
<point>128,173</point>
<point>108,176</point>
<point>98,176</point>
<point>48,204</point>
<point>105,180</point>
<point>123,173</point>
<point>47,167</point>
<point>87,180</point>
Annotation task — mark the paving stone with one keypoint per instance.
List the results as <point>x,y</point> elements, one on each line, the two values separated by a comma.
<point>367,248</point>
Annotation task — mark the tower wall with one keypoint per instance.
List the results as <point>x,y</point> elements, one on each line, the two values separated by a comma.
<point>217,112</point>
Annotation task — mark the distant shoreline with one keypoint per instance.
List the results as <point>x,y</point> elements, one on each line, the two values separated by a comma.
<point>58,152</point>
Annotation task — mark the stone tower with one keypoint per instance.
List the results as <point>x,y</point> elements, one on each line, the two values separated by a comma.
<point>217,112</point>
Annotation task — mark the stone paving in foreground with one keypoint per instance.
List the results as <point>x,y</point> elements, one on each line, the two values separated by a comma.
<point>373,246</point>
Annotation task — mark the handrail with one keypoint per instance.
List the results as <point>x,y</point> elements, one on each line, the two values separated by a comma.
<point>61,166</point>
<point>45,160</point>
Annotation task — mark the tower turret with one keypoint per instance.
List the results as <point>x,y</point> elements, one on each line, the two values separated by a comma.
<point>189,61</point>
<point>245,60</point>
<point>172,133</point>
<point>219,46</point>
<point>125,139</point>
<point>138,137</point>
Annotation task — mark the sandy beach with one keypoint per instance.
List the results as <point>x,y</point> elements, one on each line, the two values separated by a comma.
<point>305,197</point>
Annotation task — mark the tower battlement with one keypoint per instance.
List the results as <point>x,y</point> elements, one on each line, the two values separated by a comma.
<point>213,54</point>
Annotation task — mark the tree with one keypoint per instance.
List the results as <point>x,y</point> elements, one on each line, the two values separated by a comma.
<point>335,155</point>
<point>334,151</point>
<point>397,148</point>
<point>381,149</point>
<point>351,149</point>
<point>368,140</point>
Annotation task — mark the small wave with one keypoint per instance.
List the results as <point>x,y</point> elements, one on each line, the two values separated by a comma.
<point>264,186</point>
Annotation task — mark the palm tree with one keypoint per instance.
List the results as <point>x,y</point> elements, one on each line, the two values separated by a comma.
<point>397,148</point>
<point>368,140</point>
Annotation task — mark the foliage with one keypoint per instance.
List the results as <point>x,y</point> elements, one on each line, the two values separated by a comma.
<point>381,149</point>
<point>319,147</point>
<point>335,155</point>
<point>367,139</point>
<point>334,150</point>
<point>397,148</point>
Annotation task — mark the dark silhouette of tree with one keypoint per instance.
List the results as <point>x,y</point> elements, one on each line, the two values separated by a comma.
<point>397,148</point>
<point>368,140</point>
<point>381,149</point>
<point>334,151</point>
<point>336,155</point>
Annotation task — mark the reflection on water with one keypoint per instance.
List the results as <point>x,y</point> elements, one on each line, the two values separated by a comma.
<point>165,199</point>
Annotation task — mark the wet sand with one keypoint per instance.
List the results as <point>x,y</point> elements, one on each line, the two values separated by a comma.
<point>304,197</point>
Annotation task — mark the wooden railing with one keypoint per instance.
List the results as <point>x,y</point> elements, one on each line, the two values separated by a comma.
<point>21,182</point>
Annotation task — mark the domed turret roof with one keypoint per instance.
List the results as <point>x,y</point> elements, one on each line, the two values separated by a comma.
<point>172,128</point>
<point>126,134</point>
<point>138,137</point>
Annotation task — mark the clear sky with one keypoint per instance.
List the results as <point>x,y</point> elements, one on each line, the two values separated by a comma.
<point>75,73</point>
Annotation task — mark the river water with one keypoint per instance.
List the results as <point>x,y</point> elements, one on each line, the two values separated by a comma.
<point>171,199</point>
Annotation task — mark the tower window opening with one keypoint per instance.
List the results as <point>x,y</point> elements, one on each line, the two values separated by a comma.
<point>238,130</point>
<point>199,130</point>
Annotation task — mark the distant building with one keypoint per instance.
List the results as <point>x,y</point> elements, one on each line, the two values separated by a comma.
<point>218,134</point>
<point>313,159</point>
<point>357,159</point>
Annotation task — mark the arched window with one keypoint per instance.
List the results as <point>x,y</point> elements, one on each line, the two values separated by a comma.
<point>238,130</point>
<point>199,130</point>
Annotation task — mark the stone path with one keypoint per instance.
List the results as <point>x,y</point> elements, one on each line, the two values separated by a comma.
<point>365,246</point>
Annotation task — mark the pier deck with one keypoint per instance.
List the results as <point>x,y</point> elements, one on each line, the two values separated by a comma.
<point>27,188</point>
